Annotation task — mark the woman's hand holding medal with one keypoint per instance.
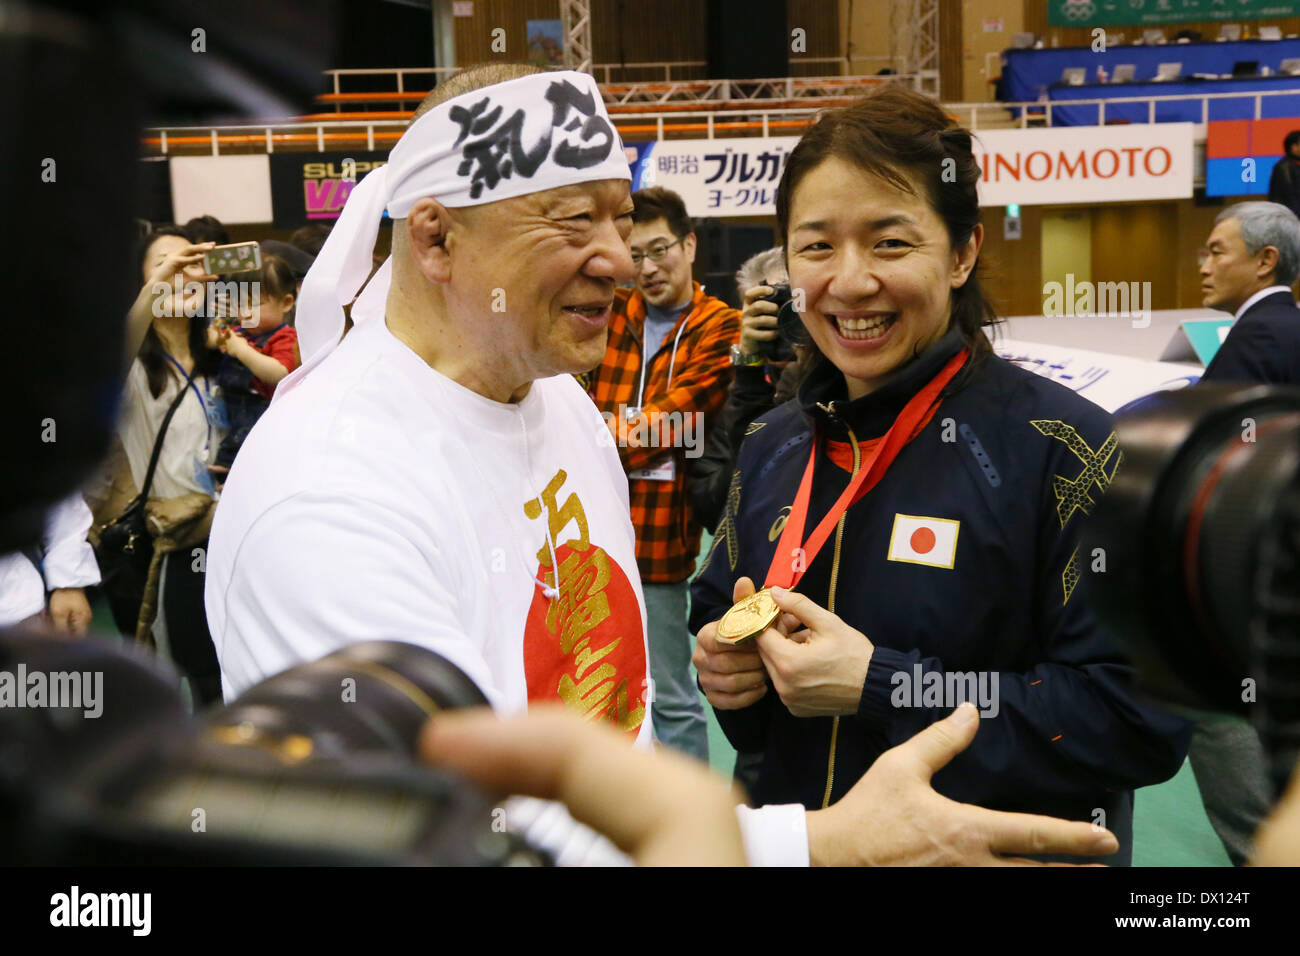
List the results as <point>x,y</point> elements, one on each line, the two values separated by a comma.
<point>818,663</point>
<point>731,674</point>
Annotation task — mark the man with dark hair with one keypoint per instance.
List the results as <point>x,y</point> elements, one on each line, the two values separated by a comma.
<point>665,372</point>
<point>207,229</point>
<point>310,238</point>
<point>1284,183</point>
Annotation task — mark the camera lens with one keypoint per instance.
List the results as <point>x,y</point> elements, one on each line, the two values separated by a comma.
<point>372,696</point>
<point>1195,551</point>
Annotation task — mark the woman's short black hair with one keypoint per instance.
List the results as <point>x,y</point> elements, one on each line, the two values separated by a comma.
<point>907,140</point>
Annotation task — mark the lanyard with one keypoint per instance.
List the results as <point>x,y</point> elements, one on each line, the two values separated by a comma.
<point>184,375</point>
<point>203,404</point>
<point>782,572</point>
<point>672,361</point>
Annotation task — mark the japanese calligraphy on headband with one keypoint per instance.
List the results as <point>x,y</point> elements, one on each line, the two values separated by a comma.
<point>518,137</point>
<point>510,139</point>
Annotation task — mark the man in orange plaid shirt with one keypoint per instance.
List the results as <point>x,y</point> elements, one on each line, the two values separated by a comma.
<point>665,373</point>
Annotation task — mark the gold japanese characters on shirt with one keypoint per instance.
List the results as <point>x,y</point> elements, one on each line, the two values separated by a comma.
<point>585,646</point>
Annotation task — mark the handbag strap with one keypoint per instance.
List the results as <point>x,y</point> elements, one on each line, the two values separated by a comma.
<point>158,442</point>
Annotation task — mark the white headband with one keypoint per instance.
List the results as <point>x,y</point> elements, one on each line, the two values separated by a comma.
<point>510,139</point>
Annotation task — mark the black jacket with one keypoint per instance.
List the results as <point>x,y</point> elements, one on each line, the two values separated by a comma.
<point>1018,461</point>
<point>1284,184</point>
<point>1263,346</point>
<point>752,393</point>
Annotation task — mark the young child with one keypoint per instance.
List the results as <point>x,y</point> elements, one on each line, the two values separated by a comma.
<point>263,350</point>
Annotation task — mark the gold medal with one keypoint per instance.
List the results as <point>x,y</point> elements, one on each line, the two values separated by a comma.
<point>748,618</point>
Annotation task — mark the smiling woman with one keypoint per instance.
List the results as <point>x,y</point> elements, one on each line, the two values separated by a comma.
<point>914,257</point>
<point>917,510</point>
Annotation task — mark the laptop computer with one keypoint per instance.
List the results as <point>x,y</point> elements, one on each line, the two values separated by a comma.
<point>1074,75</point>
<point>1245,68</point>
<point>1124,73</point>
<point>1168,71</point>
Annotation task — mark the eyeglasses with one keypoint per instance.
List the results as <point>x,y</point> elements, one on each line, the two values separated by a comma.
<point>654,253</point>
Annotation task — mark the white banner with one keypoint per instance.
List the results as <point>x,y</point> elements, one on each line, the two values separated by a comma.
<point>721,177</point>
<point>1110,381</point>
<point>1078,164</point>
<point>235,189</point>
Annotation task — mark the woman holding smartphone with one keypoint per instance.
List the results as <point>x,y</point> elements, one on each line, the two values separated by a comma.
<point>168,353</point>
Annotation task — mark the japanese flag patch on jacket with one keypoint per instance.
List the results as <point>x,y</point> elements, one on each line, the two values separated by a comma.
<point>918,540</point>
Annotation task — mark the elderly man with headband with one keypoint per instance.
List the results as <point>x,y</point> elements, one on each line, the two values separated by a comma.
<point>437,476</point>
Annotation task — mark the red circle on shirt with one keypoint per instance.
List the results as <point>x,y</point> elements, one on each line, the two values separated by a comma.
<point>922,540</point>
<point>586,648</point>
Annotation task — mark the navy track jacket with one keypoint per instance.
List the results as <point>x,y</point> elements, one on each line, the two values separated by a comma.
<point>1019,462</point>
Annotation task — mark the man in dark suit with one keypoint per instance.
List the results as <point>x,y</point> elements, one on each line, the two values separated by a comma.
<point>1248,266</point>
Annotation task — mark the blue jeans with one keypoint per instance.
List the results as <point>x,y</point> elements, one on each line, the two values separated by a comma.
<point>676,710</point>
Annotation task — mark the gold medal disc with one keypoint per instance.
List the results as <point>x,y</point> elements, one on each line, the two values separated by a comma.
<point>748,618</point>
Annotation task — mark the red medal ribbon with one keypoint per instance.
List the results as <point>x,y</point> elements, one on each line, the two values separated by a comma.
<point>904,429</point>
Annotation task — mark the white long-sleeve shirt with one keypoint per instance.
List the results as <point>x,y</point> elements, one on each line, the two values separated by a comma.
<point>67,562</point>
<point>377,499</point>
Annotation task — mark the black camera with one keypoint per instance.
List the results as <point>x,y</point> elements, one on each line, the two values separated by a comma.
<point>314,766</point>
<point>1199,533</point>
<point>789,327</point>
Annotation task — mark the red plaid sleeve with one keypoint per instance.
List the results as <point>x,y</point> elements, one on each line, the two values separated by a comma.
<point>701,377</point>
<point>667,539</point>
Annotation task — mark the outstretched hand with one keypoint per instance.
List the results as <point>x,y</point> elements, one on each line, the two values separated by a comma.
<point>663,809</point>
<point>894,817</point>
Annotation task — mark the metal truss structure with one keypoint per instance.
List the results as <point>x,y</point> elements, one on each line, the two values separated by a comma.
<point>914,35</point>
<point>575,22</point>
<point>739,92</point>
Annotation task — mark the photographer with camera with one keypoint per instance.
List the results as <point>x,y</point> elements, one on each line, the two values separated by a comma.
<point>765,373</point>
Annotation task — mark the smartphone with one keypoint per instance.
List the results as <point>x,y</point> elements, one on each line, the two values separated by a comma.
<point>232,259</point>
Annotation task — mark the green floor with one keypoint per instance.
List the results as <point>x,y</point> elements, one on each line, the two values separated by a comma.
<point>1169,824</point>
